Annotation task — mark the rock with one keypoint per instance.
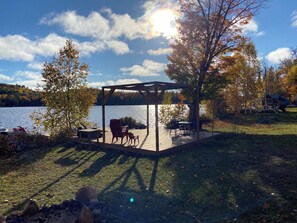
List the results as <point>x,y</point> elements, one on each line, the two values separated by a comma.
<point>15,218</point>
<point>66,204</point>
<point>86,215</point>
<point>31,208</point>
<point>2,219</point>
<point>97,215</point>
<point>56,207</point>
<point>45,210</point>
<point>86,194</point>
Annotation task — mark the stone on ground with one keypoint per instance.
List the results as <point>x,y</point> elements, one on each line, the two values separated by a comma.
<point>86,194</point>
<point>86,215</point>
<point>31,208</point>
<point>2,219</point>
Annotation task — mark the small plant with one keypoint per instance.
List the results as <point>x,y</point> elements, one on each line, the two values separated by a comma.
<point>132,123</point>
<point>37,140</point>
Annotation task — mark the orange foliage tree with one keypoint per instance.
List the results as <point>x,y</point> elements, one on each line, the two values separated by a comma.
<point>207,29</point>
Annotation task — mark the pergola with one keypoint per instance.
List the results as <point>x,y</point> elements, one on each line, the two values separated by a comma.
<point>155,89</point>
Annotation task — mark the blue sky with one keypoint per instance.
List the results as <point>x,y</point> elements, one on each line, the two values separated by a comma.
<point>122,41</point>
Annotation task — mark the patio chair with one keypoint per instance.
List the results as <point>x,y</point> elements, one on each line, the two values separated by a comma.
<point>117,130</point>
<point>172,126</point>
<point>201,130</point>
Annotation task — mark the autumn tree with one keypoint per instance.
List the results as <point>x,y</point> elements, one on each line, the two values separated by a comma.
<point>288,69</point>
<point>273,81</point>
<point>169,112</point>
<point>64,93</point>
<point>207,29</point>
<point>291,82</point>
<point>244,90</point>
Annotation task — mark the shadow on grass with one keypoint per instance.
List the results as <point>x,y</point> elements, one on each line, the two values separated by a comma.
<point>232,176</point>
<point>219,180</point>
<point>21,160</point>
<point>107,159</point>
<point>65,160</point>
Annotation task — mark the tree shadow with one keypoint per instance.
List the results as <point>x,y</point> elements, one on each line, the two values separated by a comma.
<point>235,174</point>
<point>65,161</point>
<point>22,159</point>
<point>219,180</point>
<point>107,159</point>
<point>226,178</point>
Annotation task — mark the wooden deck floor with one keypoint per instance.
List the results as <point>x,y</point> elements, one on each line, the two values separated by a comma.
<point>147,143</point>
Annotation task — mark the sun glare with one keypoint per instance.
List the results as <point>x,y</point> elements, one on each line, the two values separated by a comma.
<point>163,22</point>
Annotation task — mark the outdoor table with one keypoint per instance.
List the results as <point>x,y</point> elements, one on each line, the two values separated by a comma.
<point>89,133</point>
<point>186,127</point>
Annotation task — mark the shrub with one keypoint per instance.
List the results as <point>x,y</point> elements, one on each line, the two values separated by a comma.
<point>38,140</point>
<point>170,113</point>
<point>5,147</point>
<point>132,123</point>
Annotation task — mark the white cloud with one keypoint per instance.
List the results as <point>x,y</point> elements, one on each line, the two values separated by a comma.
<point>124,25</point>
<point>93,25</point>
<point>3,77</point>
<point>28,75</point>
<point>262,33</point>
<point>98,73</point>
<point>294,18</point>
<point>160,51</point>
<point>118,47</point>
<point>32,84</point>
<point>28,78</point>
<point>19,48</point>
<point>109,83</point>
<point>87,48</point>
<point>252,27</point>
<point>97,26</point>
<point>49,45</point>
<point>16,48</point>
<point>35,66</point>
<point>106,25</point>
<point>148,68</point>
<point>279,54</point>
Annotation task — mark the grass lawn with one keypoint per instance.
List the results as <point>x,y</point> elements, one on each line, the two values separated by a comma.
<point>246,174</point>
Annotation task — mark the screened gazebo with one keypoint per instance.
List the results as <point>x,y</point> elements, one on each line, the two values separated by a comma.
<point>153,90</point>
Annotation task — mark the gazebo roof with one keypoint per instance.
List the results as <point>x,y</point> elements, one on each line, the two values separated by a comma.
<point>147,86</point>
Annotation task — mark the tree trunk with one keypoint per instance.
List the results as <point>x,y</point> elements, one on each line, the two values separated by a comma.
<point>198,114</point>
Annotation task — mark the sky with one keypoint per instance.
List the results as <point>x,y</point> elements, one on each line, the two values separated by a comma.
<point>122,41</point>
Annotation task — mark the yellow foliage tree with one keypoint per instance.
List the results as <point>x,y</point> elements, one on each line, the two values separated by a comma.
<point>65,93</point>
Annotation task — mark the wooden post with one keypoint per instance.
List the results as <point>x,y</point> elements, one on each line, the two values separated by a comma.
<point>197,114</point>
<point>156,118</point>
<point>103,114</point>
<point>104,101</point>
<point>147,113</point>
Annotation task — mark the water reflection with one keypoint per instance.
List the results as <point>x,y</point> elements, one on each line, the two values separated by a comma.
<point>20,116</point>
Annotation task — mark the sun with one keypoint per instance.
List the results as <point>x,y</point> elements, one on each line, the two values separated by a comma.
<point>163,22</point>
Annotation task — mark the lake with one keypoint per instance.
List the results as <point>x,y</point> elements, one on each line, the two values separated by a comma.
<point>20,116</point>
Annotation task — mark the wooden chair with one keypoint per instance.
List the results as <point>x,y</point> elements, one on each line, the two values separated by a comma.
<point>117,130</point>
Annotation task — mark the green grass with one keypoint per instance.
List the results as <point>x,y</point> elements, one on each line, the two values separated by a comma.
<point>248,173</point>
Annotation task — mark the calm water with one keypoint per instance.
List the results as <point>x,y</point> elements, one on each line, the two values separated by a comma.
<point>20,116</point>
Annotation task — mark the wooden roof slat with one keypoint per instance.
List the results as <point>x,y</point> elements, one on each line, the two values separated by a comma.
<point>147,86</point>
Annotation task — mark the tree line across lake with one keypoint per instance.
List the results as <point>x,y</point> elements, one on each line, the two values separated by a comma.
<point>18,95</point>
